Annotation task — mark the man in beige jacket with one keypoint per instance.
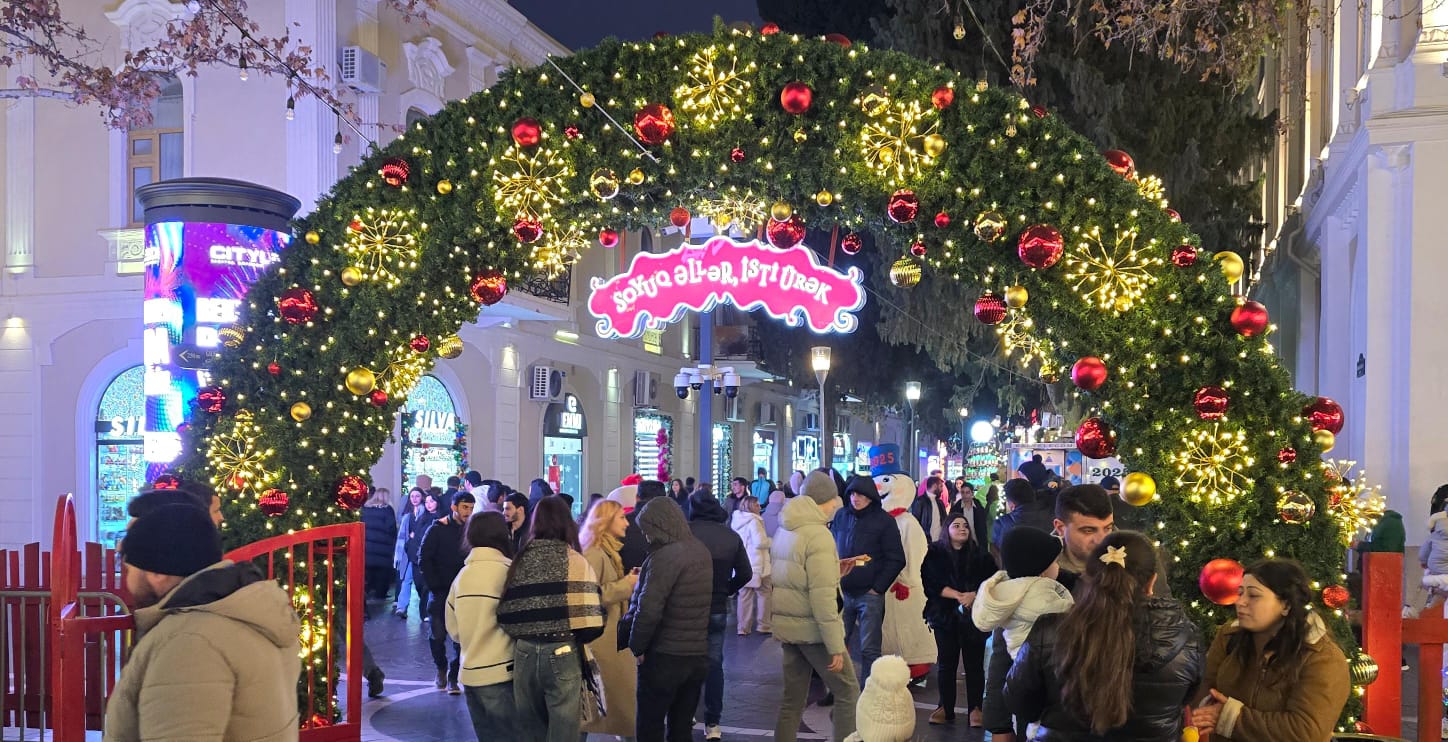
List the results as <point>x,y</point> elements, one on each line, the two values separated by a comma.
<point>216,653</point>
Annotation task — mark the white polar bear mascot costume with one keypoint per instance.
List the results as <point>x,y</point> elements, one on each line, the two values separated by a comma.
<point>904,632</point>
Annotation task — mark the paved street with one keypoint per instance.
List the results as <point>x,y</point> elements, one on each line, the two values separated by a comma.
<point>413,710</point>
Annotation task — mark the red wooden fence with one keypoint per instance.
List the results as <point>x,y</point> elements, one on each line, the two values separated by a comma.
<point>1385,631</point>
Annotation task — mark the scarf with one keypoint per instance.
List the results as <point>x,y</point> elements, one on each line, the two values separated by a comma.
<point>550,591</point>
<point>610,547</point>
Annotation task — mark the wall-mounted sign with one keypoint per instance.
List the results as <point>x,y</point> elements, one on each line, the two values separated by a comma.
<point>565,419</point>
<point>789,285</point>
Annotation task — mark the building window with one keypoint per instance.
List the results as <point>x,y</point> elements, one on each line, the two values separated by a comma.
<point>155,153</point>
<point>415,115</point>
<point>120,467</point>
<point>434,441</point>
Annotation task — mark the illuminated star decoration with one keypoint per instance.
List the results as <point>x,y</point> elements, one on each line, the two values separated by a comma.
<point>530,183</point>
<point>234,456</point>
<point>403,370</point>
<point>381,244</point>
<point>1352,503</point>
<point>1152,189</point>
<point>744,212</point>
<point>714,90</point>
<point>559,249</point>
<point>1108,271</point>
<point>1211,465</point>
<point>1020,341</point>
<point>892,141</point>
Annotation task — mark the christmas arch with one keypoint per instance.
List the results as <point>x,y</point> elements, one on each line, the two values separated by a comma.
<point>1069,252</point>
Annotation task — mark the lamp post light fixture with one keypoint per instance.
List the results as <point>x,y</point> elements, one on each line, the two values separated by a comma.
<point>964,441</point>
<point>819,359</point>
<point>912,395</point>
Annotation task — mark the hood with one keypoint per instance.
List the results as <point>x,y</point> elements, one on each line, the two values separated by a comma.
<point>864,486</point>
<point>742,517</point>
<point>799,512</point>
<point>896,491</point>
<point>1167,630</point>
<point>237,591</point>
<point>625,495</point>
<point>1000,598</point>
<point>480,554</point>
<point>663,522</point>
<point>703,506</point>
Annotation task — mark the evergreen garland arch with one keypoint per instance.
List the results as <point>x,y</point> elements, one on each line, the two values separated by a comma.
<point>381,276</point>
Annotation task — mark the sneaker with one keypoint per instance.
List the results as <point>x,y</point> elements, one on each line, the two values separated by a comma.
<point>454,690</point>
<point>976,719</point>
<point>374,683</point>
<point>713,731</point>
<point>441,679</point>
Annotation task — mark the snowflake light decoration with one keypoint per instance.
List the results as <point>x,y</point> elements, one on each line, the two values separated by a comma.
<point>1152,189</point>
<point>1355,506</point>
<point>403,370</point>
<point>892,141</point>
<point>1212,464</point>
<point>381,244</point>
<point>529,183</point>
<point>1108,271</point>
<point>716,88</point>
<point>744,212</point>
<point>559,249</point>
<point>1019,339</point>
<point>238,463</point>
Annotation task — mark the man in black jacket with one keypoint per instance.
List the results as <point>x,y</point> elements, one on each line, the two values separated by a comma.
<point>1021,510</point>
<point>731,572</point>
<point>442,558</point>
<point>635,547</point>
<point>867,534</point>
<point>667,623</point>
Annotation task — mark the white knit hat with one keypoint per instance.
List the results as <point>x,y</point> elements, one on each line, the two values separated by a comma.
<point>886,711</point>
<point>626,495</point>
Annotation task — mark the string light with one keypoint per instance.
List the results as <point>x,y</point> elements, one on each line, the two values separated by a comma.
<point>1212,464</point>
<point>292,108</point>
<point>714,90</point>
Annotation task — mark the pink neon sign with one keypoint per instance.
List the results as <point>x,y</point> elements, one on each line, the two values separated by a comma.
<point>789,285</point>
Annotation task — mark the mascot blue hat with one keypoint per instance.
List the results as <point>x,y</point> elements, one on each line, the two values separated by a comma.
<point>885,459</point>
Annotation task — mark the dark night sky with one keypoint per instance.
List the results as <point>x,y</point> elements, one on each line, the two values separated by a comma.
<point>579,24</point>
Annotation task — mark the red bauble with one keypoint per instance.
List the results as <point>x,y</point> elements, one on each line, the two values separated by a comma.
<point>1039,111</point>
<point>851,244</point>
<point>420,344</point>
<point>1250,319</point>
<point>1287,455</point>
<point>1324,414</point>
<point>1041,246</point>
<point>942,97</point>
<point>769,29</point>
<point>796,97</point>
<point>488,288</point>
<point>297,306</point>
<point>527,229</point>
<point>166,482</point>
<point>917,248</point>
<point>1183,256</point>
<point>273,503</point>
<point>1335,596</point>
<point>274,368</point>
<point>394,172</point>
<point>942,220</point>
<point>1095,438</point>
<point>736,155</point>
<point>990,309</point>
<point>679,216</point>
<point>1220,580</point>
<point>527,132</point>
<point>654,123</point>
<point>608,237</point>
<point>378,398</point>
<point>785,234</point>
<point>572,132</point>
<point>1362,727</point>
<point>1121,163</point>
<point>1175,217</point>
<point>350,491</point>
<point>903,206</point>
<point>661,35</point>
<point>1211,402</point>
<point>210,399</point>
<point>1089,373</point>
<point>838,38</point>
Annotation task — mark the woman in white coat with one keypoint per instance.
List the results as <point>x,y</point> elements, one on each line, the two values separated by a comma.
<point>755,595</point>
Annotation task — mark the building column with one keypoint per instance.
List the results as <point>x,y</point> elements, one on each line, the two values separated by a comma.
<point>311,164</point>
<point>507,425</point>
<point>1423,265</point>
<point>20,180</point>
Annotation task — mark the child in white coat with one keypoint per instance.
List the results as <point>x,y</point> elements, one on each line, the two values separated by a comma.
<point>754,597</point>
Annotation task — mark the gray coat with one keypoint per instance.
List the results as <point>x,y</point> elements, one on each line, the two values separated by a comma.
<point>806,574</point>
<point>669,610</point>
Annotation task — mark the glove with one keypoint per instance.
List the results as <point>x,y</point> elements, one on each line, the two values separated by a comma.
<point>902,592</point>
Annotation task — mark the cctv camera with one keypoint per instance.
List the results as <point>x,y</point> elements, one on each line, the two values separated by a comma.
<point>681,385</point>
<point>682,391</point>
<point>731,391</point>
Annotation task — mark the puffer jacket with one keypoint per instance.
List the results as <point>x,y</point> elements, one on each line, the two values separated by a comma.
<point>731,562</point>
<point>1433,554</point>
<point>1262,704</point>
<point>869,531</point>
<point>1168,672</point>
<point>668,612</point>
<point>806,572</point>
<point>380,522</point>
<point>1036,515</point>
<point>1014,605</point>
<point>215,660</point>
<point>750,527</point>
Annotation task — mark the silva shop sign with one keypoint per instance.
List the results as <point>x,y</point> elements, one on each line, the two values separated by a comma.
<point>789,285</point>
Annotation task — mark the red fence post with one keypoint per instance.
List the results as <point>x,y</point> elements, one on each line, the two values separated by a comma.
<point>1383,640</point>
<point>67,680</point>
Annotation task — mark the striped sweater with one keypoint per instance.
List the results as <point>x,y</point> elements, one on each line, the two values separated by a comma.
<point>552,591</point>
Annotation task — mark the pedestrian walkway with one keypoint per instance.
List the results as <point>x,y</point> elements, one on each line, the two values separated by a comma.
<point>414,710</point>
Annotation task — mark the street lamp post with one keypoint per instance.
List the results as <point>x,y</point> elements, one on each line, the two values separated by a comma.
<point>964,440</point>
<point>820,362</point>
<point>912,395</point>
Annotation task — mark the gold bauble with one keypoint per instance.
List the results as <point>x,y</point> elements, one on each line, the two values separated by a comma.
<point>934,145</point>
<point>586,100</point>
<point>781,211</point>
<point>312,237</point>
<point>800,137</point>
<point>875,100</point>
<point>1190,734</point>
<point>886,155</point>
<point>351,276</point>
<point>636,176</point>
<point>450,346</point>
<point>1231,265</point>
<point>1363,670</point>
<point>1017,296</point>
<point>361,381</point>
<point>905,273</point>
<point>603,183</point>
<point>824,197</point>
<point>301,411</point>
<point>231,336</point>
<point>989,226</point>
<point>1138,488</point>
<point>1325,439</point>
<point>444,186</point>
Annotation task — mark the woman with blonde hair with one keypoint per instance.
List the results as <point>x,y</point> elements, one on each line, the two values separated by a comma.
<point>601,537</point>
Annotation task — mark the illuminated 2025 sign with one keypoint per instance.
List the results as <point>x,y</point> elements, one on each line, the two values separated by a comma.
<point>790,285</point>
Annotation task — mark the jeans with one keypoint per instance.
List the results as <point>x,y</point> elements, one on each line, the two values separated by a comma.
<point>867,612</point>
<point>754,606</point>
<point>714,683</point>
<point>404,590</point>
<point>996,718</point>
<point>799,661</point>
<point>547,686</point>
<point>959,642</point>
<point>493,710</point>
<point>668,695</point>
<point>437,640</point>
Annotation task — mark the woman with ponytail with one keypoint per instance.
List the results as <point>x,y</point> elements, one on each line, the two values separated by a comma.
<point>1120,665</point>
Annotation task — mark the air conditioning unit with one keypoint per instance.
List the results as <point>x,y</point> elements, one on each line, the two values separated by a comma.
<point>645,389</point>
<point>546,384</point>
<point>767,414</point>
<point>362,70</point>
